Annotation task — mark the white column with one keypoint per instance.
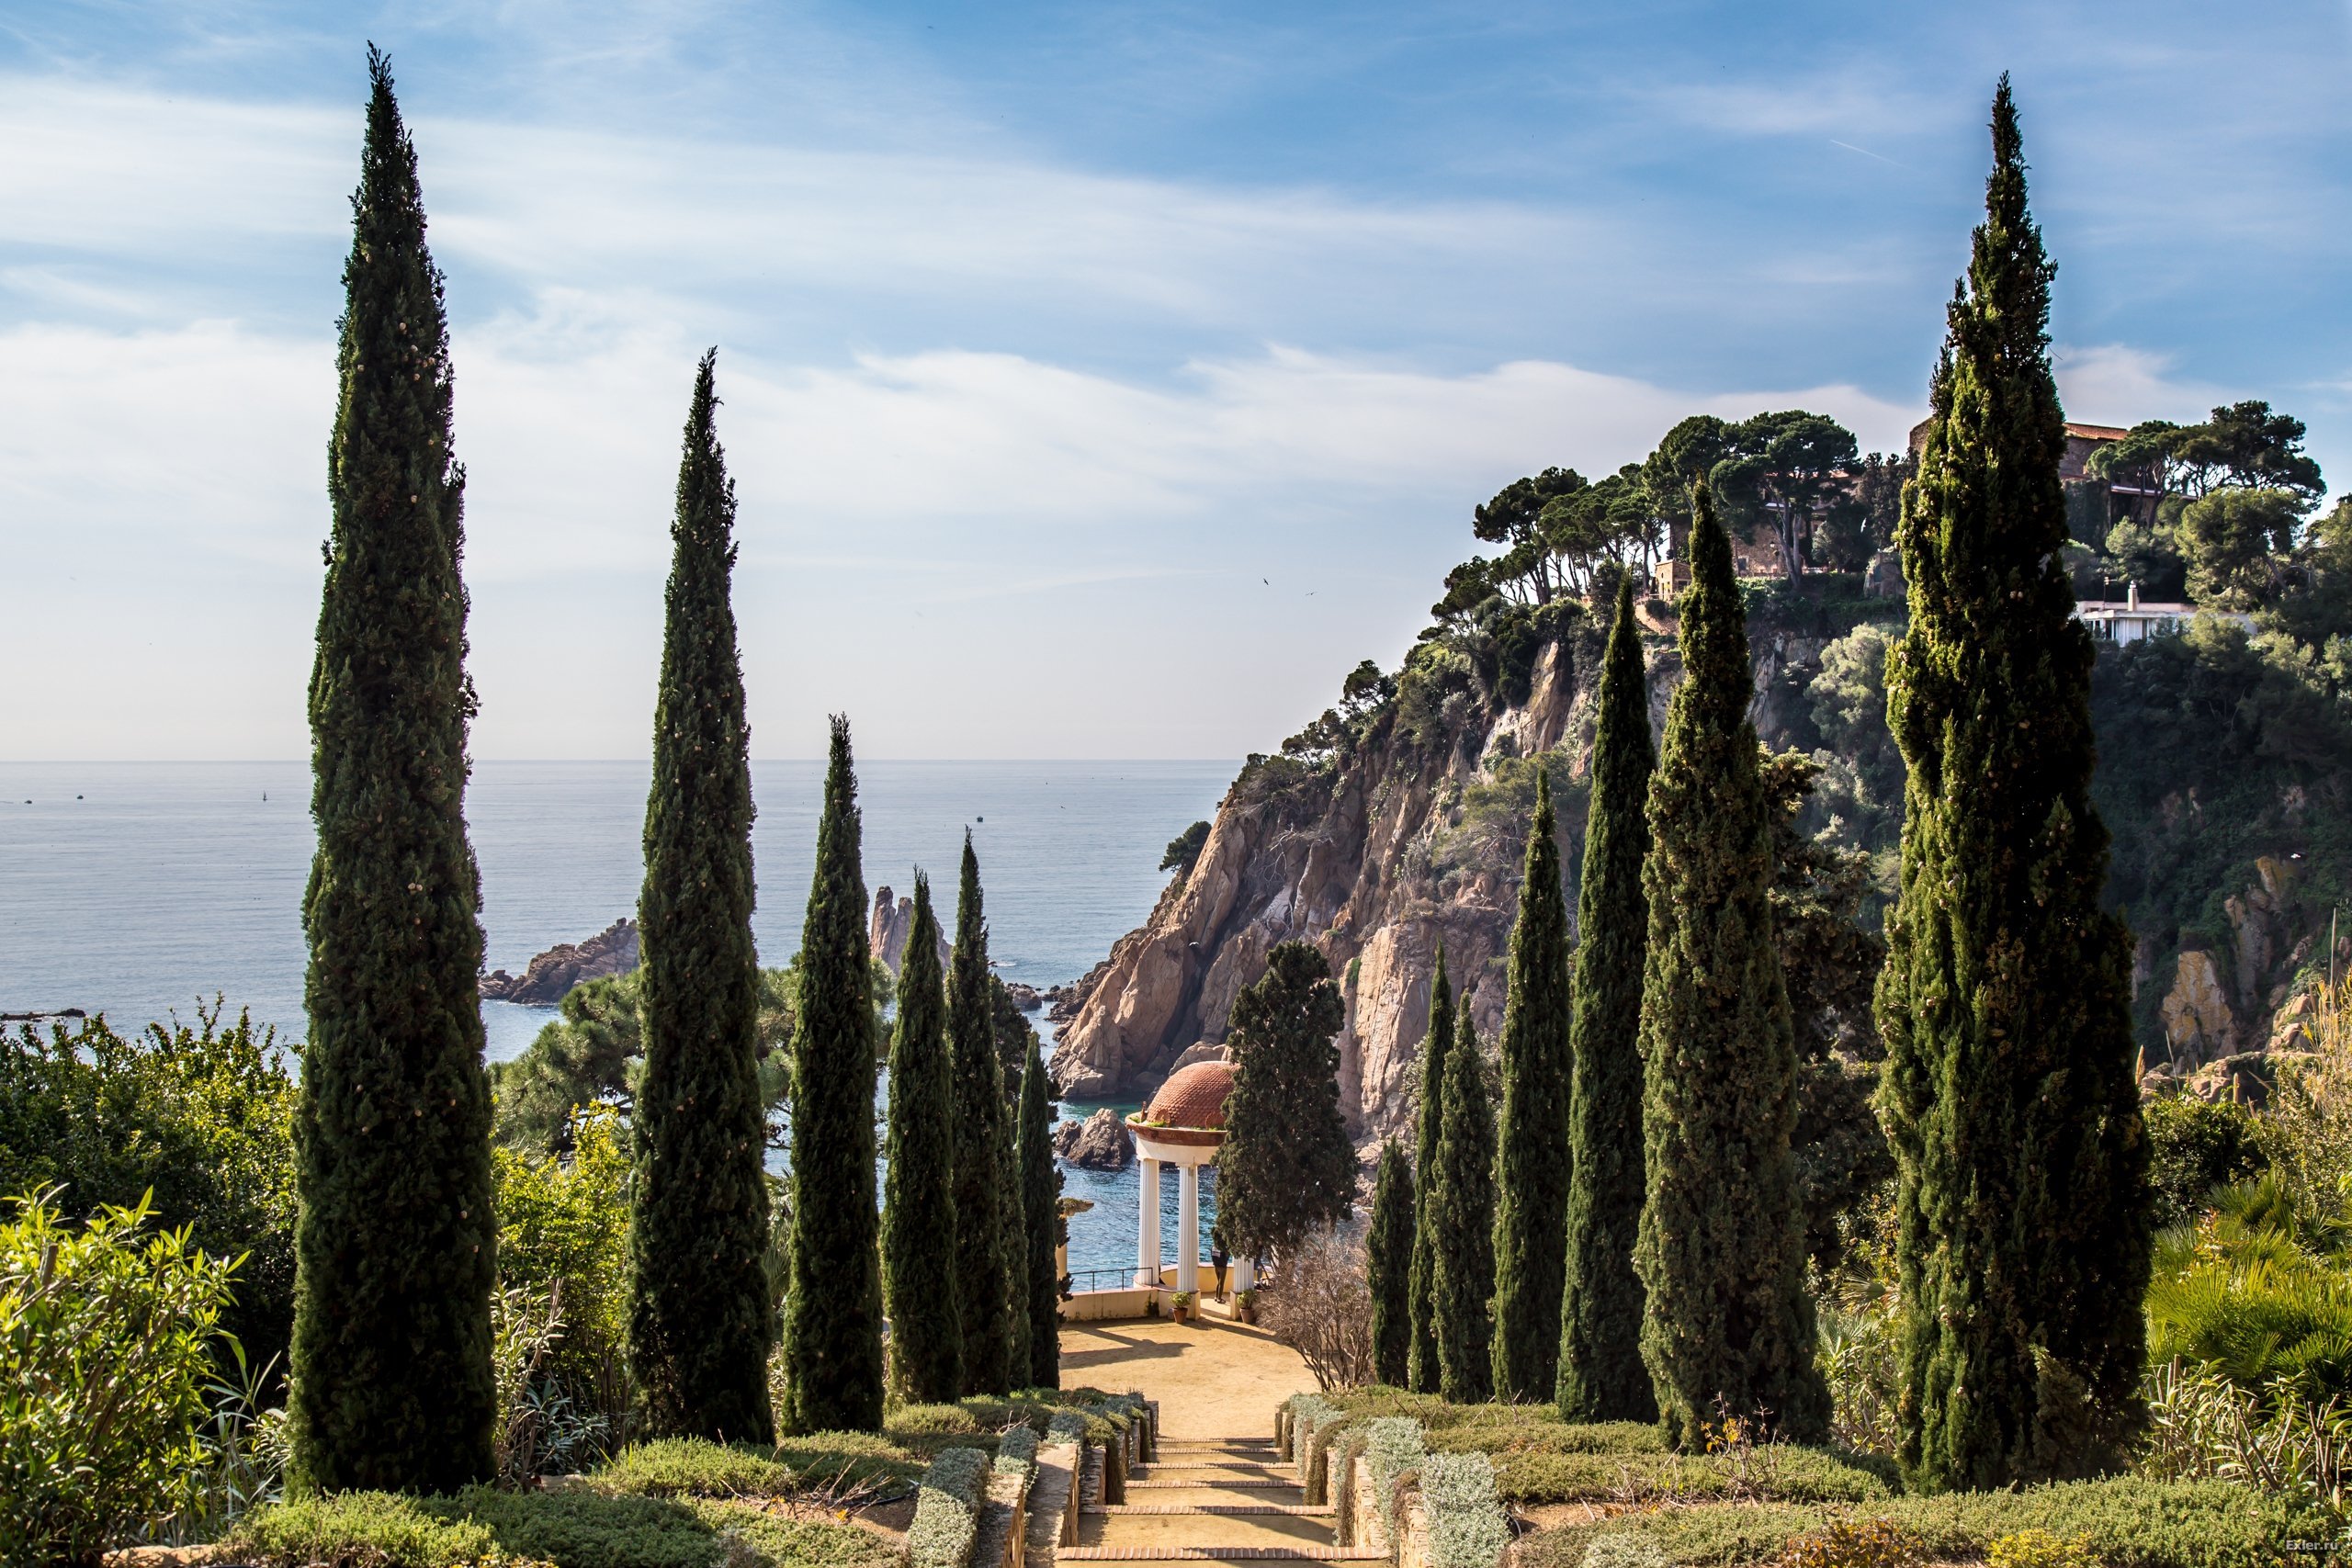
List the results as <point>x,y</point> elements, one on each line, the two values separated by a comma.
<point>1245,1277</point>
<point>1188,1226</point>
<point>1148,1227</point>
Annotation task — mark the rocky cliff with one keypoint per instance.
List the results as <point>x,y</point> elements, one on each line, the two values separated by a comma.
<point>548,978</point>
<point>1376,856</point>
<point>886,931</point>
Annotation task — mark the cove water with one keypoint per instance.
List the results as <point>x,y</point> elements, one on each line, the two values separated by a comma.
<point>136,888</point>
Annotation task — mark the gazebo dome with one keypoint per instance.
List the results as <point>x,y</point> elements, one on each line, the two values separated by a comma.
<point>1193,1097</point>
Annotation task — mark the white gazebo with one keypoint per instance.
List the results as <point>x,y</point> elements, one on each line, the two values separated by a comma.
<point>1182,1126</point>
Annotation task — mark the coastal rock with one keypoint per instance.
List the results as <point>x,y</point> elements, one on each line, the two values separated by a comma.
<point>1102,1141</point>
<point>548,978</point>
<point>1023,995</point>
<point>887,930</point>
<point>2198,1026</point>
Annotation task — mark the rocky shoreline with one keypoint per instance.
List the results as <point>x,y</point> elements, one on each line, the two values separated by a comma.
<point>548,978</point>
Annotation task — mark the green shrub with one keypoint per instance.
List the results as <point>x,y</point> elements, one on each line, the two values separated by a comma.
<point>360,1530</point>
<point>1467,1526</point>
<point>563,1225</point>
<point>2193,1147</point>
<point>1550,1437</point>
<point>929,1420</point>
<point>575,1528</point>
<point>2123,1521</point>
<point>947,1510</point>
<point>1016,1452</point>
<point>693,1467</point>
<point>1624,1550</point>
<point>848,1459</point>
<point>1392,1449</point>
<point>2039,1548</point>
<point>1067,1427</point>
<point>106,1343</point>
<point>1778,1473</point>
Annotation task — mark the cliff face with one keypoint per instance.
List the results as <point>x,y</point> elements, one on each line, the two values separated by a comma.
<point>890,924</point>
<point>1376,859</point>
<point>550,975</point>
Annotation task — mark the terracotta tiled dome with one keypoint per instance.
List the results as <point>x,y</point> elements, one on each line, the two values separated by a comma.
<point>1193,1097</point>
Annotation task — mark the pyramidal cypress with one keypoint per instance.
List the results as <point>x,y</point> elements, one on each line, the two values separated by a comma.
<point>1421,1367</point>
<point>1721,1249</point>
<point>699,1319</point>
<point>1464,1203</point>
<point>919,1284</point>
<point>987,1202</point>
<point>2022,1238</point>
<point>1532,1185</point>
<point>833,1314</point>
<point>396,1242</point>
<point>1041,1194</point>
<point>1601,1375</point>
<point>1390,1267</point>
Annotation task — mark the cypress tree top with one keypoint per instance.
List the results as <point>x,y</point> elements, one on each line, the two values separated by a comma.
<point>1530,1220</point>
<point>1422,1365</point>
<point>1464,1200</point>
<point>832,1322</point>
<point>1601,1375</point>
<point>989,1250</point>
<point>700,1322</point>
<point>396,1242</point>
<point>1720,1252</point>
<point>1388,1266</point>
<point>2008,1094</point>
<point>920,1286</point>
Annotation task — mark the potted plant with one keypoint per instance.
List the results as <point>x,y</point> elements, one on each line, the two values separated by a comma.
<point>1244,1306</point>
<point>1182,1303</point>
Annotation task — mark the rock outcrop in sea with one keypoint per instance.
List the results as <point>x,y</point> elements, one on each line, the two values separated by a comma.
<point>892,921</point>
<point>1102,1141</point>
<point>548,978</point>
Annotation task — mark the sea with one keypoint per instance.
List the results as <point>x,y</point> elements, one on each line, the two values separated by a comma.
<point>139,890</point>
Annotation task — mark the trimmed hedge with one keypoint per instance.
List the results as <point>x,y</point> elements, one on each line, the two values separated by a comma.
<point>1502,1437</point>
<point>947,1510</point>
<point>350,1528</point>
<point>1467,1526</point>
<point>1016,1452</point>
<point>1067,1427</point>
<point>2124,1521</point>
<point>692,1467</point>
<point>581,1527</point>
<point>1784,1475</point>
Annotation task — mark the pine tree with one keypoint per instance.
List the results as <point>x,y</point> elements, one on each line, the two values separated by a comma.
<point>919,1283</point>
<point>2022,1237</point>
<point>1532,1197</point>
<point>1601,1375</point>
<point>1464,1203</point>
<point>1041,1195</point>
<point>1285,1166</point>
<point>833,1314</point>
<point>699,1319</point>
<point>1390,1267</point>
<point>1721,1249</point>
<point>1422,1365</point>
<point>987,1219</point>
<point>396,1242</point>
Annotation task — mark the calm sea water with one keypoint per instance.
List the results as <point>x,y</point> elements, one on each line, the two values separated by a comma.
<point>135,888</point>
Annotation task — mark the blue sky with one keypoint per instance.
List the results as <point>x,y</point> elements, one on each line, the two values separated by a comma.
<point>1101,379</point>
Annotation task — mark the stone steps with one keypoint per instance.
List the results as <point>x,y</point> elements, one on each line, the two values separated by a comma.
<point>1208,1500</point>
<point>1172,1553</point>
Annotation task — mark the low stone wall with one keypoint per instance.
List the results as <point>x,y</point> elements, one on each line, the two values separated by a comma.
<point>1093,1306</point>
<point>1028,1516</point>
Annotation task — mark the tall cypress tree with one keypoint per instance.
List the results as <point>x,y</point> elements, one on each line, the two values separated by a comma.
<point>919,1283</point>
<point>2022,1235</point>
<point>1721,1249</point>
<point>1531,1219</point>
<point>396,1244</point>
<point>1041,1195</point>
<point>699,1317</point>
<point>1464,1206</point>
<point>1388,1266</point>
<point>833,1314</point>
<point>988,1220</point>
<point>1601,1375</point>
<point>1286,1166</point>
<point>1421,1366</point>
